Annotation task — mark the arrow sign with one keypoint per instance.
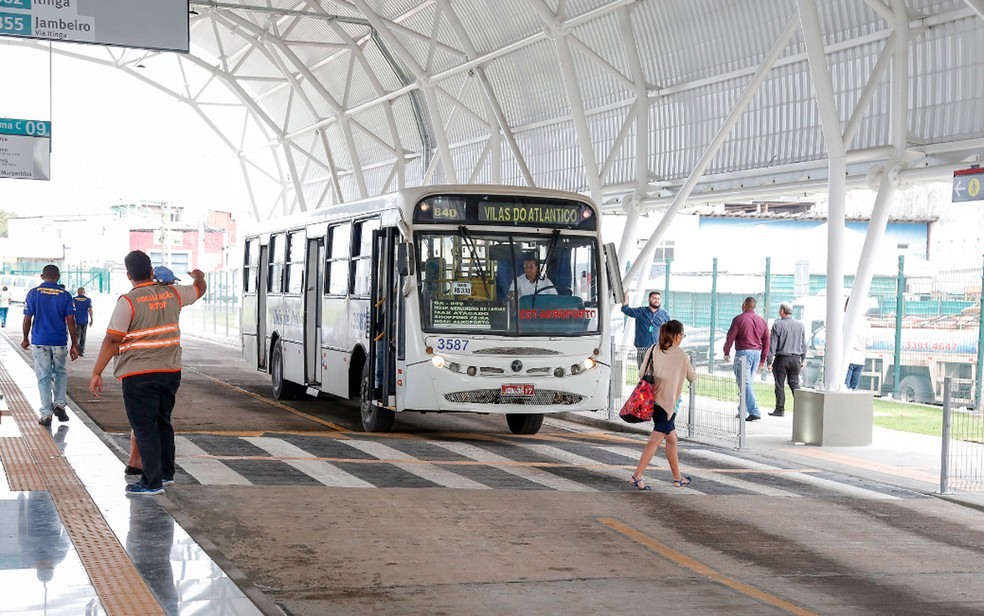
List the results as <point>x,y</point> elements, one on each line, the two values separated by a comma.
<point>967,185</point>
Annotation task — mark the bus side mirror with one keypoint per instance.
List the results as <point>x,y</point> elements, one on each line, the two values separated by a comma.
<point>404,260</point>
<point>614,274</point>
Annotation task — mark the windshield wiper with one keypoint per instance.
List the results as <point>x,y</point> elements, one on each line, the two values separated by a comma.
<point>550,250</point>
<point>470,243</point>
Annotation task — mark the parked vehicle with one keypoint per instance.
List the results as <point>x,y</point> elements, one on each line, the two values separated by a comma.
<point>930,352</point>
<point>19,285</point>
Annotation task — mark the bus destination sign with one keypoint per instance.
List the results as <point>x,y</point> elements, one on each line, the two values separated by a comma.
<point>533,214</point>
<point>506,212</point>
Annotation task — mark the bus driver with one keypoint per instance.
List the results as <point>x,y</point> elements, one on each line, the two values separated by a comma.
<point>530,282</point>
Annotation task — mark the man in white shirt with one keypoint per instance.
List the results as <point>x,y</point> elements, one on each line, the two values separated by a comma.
<point>857,351</point>
<point>530,282</point>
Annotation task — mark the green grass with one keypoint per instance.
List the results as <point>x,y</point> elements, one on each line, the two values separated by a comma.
<point>916,418</point>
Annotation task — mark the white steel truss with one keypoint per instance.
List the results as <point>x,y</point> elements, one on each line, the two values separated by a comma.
<point>633,101</point>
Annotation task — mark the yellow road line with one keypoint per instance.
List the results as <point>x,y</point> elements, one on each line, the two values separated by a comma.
<point>700,568</point>
<point>280,406</point>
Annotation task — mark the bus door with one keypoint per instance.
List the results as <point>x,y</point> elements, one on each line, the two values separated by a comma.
<point>261,313</point>
<point>313,281</point>
<point>384,308</point>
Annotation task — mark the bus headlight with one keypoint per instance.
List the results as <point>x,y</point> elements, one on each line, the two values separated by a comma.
<point>576,369</point>
<point>438,361</point>
<point>472,371</point>
<point>589,363</point>
<point>558,372</point>
<point>453,367</point>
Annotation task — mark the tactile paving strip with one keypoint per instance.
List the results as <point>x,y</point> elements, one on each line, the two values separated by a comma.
<point>22,473</point>
<point>119,585</point>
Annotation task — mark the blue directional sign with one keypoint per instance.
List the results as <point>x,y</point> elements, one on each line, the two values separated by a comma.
<point>28,128</point>
<point>147,24</point>
<point>25,148</point>
<point>967,185</point>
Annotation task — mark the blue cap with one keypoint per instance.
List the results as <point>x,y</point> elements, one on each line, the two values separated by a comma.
<point>164,275</point>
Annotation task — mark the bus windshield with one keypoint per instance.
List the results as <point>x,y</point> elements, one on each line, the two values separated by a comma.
<point>508,284</point>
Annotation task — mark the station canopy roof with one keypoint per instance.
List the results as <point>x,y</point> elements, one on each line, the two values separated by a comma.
<point>335,100</point>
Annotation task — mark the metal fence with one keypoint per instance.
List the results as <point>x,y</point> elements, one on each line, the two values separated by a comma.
<point>926,324</point>
<point>962,465</point>
<point>217,314</point>
<point>709,407</point>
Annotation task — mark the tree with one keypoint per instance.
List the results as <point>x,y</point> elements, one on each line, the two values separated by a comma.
<point>4,215</point>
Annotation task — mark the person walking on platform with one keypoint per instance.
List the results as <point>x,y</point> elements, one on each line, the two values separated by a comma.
<point>144,337</point>
<point>749,333</point>
<point>47,311</point>
<point>857,351</point>
<point>648,320</point>
<point>4,305</point>
<point>83,316</point>
<point>787,351</point>
<point>668,365</point>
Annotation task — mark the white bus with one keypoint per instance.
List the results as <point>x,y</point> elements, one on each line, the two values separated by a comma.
<point>19,285</point>
<point>430,276</point>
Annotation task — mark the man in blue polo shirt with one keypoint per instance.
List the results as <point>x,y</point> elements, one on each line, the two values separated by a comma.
<point>47,309</point>
<point>83,316</point>
<point>648,321</point>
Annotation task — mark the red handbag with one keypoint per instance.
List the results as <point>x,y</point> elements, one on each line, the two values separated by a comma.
<point>640,405</point>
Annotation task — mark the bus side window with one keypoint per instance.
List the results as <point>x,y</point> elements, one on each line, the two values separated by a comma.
<point>278,250</point>
<point>339,240</point>
<point>362,256</point>
<point>295,263</point>
<point>251,262</point>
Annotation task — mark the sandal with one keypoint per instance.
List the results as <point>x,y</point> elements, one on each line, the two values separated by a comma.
<point>638,485</point>
<point>683,482</point>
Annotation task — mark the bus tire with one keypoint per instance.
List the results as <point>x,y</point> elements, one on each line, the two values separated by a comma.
<point>915,389</point>
<point>374,417</point>
<point>524,424</point>
<point>282,388</point>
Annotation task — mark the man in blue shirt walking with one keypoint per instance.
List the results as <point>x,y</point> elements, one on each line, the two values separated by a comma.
<point>83,316</point>
<point>47,309</point>
<point>648,321</point>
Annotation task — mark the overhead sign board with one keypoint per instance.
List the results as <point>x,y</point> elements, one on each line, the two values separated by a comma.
<point>966,184</point>
<point>145,24</point>
<point>25,148</point>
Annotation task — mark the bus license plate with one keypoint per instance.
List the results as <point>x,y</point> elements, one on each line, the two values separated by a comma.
<point>517,390</point>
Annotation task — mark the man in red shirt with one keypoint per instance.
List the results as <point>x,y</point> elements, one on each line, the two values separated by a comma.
<point>750,335</point>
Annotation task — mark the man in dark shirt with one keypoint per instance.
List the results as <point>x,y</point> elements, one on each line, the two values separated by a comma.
<point>648,320</point>
<point>750,336</point>
<point>83,316</point>
<point>787,350</point>
<point>47,310</point>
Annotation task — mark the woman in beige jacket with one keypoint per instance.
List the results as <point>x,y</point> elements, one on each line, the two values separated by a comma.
<point>670,366</point>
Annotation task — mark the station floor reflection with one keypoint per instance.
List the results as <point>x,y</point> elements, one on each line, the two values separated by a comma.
<point>42,572</point>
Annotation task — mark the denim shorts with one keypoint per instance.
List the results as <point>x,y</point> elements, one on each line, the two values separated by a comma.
<point>662,422</point>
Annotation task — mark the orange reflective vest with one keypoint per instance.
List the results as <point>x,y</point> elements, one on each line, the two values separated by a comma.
<point>153,341</point>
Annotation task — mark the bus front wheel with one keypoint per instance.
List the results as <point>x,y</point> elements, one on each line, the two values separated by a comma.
<point>282,388</point>
<point>374,417</point>
<point>524,424</point>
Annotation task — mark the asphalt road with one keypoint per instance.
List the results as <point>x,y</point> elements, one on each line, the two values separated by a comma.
<point>455,515</point>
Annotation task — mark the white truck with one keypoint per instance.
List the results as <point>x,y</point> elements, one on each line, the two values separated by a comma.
<point>931,349</point>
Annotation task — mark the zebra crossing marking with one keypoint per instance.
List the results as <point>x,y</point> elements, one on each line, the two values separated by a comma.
<point>410,464</point>
<point>212,469</point>
<point>324,472</point>
<point>505,464</point>
<point>799,477</point>
<point>194,461</point>
<point>557,453</point>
